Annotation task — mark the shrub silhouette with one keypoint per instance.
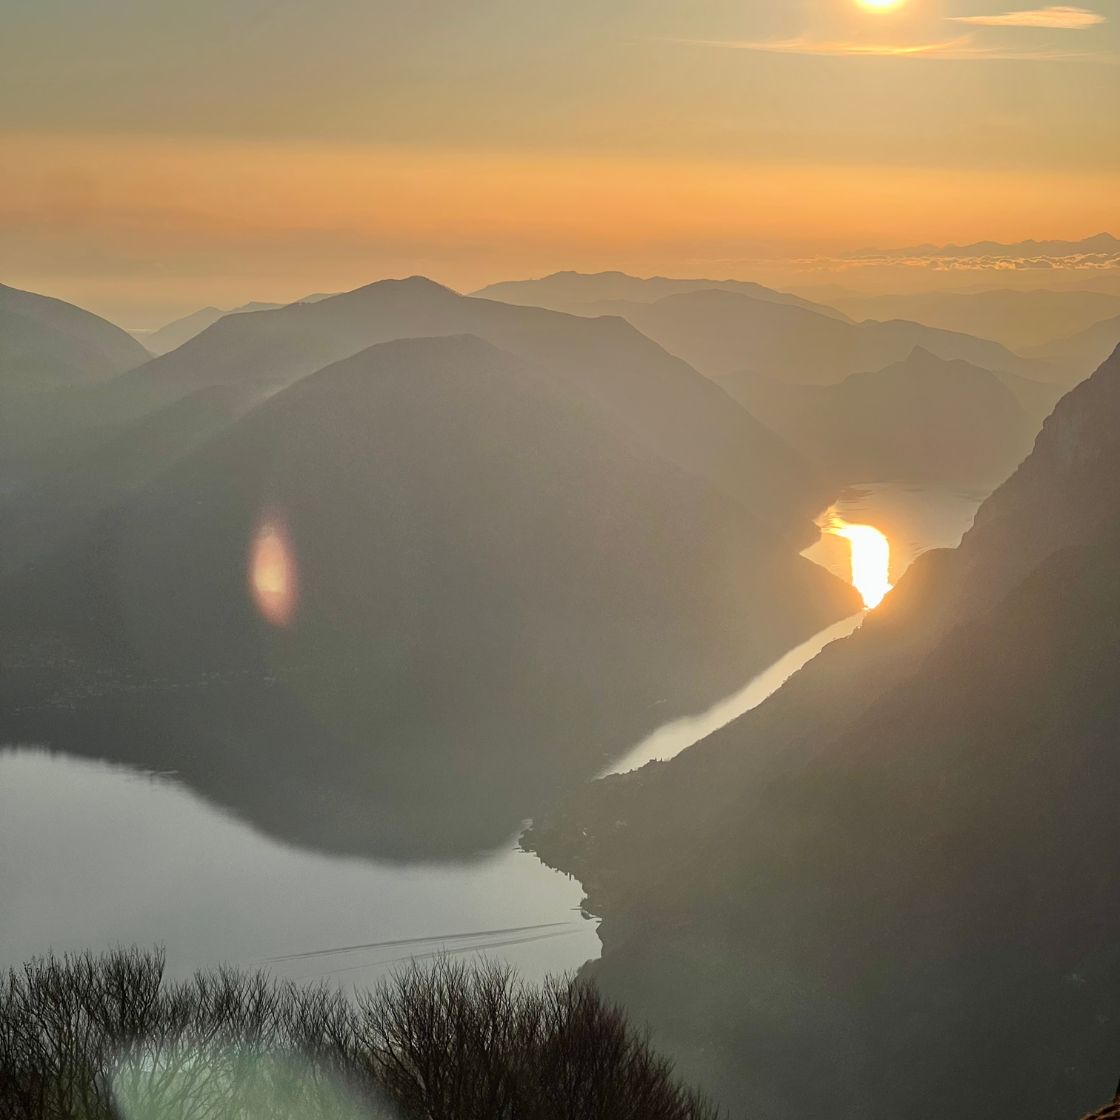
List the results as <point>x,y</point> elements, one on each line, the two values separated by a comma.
<point>108,1038</point>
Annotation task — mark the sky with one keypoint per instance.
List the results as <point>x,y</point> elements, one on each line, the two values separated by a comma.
<point>159,156</point>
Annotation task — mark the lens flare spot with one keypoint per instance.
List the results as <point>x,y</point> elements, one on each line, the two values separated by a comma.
<point>272,573</point>
<point>871,559</point>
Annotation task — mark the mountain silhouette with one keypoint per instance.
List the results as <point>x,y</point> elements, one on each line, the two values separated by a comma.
<point>1020,320</point>
<point>52,355</point>
<point>609,365</point>
<point>45,343</point>
<point>1097,243</point>
<point>1081,352</point>
<point>580,292</point>
<point>721,332</point>
<point>896,880</point>
<point>172,335</point>
<point>920,419</point>
<point>499,589</point>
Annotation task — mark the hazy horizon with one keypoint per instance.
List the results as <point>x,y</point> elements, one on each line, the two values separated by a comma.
<point>252,150</point>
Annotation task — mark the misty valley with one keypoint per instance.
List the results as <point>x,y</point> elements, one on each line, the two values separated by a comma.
<point>400,627</point>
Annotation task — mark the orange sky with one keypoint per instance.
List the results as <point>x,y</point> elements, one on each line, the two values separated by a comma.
<point>262,150</point>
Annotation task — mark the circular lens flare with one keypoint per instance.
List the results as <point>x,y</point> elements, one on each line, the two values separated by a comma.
<point>871,559</point>
<point>272,573</point>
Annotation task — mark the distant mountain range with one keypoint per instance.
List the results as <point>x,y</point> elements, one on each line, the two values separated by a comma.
<point>891,889</point>
<point>723,332</point>
<point>606,362</point>
<point>923,418</point>
<point>1084,350</point>
<point>174,334</point>
<point>1100,243</point>
<point>580,292</point>
<point>1020,320</point>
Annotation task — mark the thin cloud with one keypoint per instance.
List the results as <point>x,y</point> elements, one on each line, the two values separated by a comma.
<point>829,49</point>
<point>1057,18</point>
<point>959,49</point>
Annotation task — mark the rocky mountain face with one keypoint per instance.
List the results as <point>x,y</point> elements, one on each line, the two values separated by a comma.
<point>891,889</point>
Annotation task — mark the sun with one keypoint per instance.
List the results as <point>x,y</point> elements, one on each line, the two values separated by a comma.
<point>880,5</point>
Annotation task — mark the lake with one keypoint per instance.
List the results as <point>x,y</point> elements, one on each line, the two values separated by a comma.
<point>94,854</point>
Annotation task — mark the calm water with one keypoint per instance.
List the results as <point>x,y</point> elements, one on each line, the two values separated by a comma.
<point>94,855</point>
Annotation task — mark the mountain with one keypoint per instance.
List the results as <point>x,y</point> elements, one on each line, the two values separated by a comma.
<point>721,332</point>
<point>1082,352</point>
<point>891,889</point>
<point>174,334</point>
<point>1099,243</point>
<point>923,418</point>
<point>495,589</point>
<point>51,355</point>
<point>1020,320</point>
<point>579,292</point>
<point>609,365</point>
<point>46,343</point>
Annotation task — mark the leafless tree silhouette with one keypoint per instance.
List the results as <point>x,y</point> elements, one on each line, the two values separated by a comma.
<point>108,1038</point>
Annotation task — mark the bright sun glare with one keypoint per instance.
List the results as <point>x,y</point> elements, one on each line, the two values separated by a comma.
<point>880,5</point>
<point>871,559</point>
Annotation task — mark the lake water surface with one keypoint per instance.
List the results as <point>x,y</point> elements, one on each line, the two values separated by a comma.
<point>93,855</point>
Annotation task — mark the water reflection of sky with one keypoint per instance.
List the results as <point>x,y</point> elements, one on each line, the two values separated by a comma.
<point>94,855</point>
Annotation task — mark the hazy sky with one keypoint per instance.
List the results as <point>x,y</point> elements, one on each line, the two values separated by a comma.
<point>158,155</point>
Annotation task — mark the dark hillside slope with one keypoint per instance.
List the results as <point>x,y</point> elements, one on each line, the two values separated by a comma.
<point>721,332</point>
<point>923,418</point>
<point>51,354</point>
<point>46,342</point>
<point>606,363</point>
<point>498,590</point>
<point>891,891</point>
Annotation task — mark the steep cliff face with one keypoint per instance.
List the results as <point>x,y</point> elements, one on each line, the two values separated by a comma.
<point>1060,495</point>
<point>891,890</point>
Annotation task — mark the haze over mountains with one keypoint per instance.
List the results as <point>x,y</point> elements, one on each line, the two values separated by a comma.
<point>174,334</point>
<point>720,328</point>
<point>45,343</point>
<point>923,418</point>
<point>516,540</point>
<point>1083,351</point>
<point>895,881</point>
<point>1020,320</point>
<point>581,293</point>
<point>1098,244</point>
<point>584,518</point>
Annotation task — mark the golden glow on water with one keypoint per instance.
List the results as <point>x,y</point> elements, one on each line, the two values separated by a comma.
<point>272,574</point>
<point>871,559</point>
